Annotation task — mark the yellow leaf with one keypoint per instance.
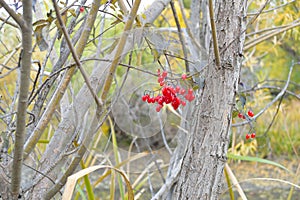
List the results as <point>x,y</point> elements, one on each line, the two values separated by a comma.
<point>72,11</point>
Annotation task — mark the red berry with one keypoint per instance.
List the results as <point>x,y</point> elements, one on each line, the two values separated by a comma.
<point>189,97</point>
<point>157,98</point>
<point>183,103</point>
<point>151,100</point>
<point>177,89</point>
<point>158,107</point>
<point>241,116</point>
<point>248,136</point>
<point>250,113</point>
<point>164,74</point>
<point>81,9</point>
<point>161,100</point>
<point>166,91</point>
<point>253,135</point>
<point>168,100</point>
<point>190,91</point>
<point>160,79</point>
<point>192,97</point>
<point>182,91</point>
<point>173,90</point>
<point>145,97</point>
<point>183,76</point>
<point>175,103</point>
<point>162,83</point>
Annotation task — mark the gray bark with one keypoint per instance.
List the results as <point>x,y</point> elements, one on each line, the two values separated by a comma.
<point>199,173</point>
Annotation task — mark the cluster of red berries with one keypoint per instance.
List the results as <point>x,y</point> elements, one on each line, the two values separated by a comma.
<point>242,116</point>
<point>248,136</point>
<point>169,94</point>
<point>249,113</point>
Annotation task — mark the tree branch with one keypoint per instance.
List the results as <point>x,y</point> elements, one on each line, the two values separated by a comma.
<point>8,22</point>
<point>23,97</point>
<point>214,34</point>
<point>14,15</point>
<point>264,37</point>
<point>181,38</point>
<point>75,56</point>
<point>119,51</point>
<point>35,136</point>
<point>281,93</point>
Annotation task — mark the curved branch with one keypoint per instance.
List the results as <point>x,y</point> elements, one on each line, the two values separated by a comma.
<point>282,92</point>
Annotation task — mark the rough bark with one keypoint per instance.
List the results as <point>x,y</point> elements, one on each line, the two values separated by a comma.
<point>201,170</point>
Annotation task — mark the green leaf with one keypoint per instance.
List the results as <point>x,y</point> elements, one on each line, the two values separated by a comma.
<point>255,159</point>
<point>235,113</point>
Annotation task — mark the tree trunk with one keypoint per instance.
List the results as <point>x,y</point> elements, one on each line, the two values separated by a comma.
<point>201,171</point>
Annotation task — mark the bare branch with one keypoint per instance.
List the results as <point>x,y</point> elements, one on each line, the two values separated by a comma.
<point>282,92</point>
<point>214,34</point>
<point>13,14</point>
<point>75,56</point>
<point>34,137</point>
<point>182,41</point>
<point>119,50</point>
<point>264,37</point>
<point>8,22</point>
<point>23,97</point>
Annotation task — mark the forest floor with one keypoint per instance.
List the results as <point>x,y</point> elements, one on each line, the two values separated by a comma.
<point>263,181</point>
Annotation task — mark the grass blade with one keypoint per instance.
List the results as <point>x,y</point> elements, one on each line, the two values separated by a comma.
<point>255,159</point>
<point>72,180</point>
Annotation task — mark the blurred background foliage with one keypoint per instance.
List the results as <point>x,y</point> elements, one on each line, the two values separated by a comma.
<point>269,60</point>
<point>265,65</point>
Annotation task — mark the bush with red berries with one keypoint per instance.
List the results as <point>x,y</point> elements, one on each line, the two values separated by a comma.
<point>168,94</point>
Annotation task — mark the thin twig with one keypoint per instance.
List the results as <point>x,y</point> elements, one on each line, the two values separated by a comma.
<point>181,38</point>
<point>75,56</point>
<point>259,12</point>
<point>8,22</point>
<point>273,118</point>
<point>187,25</point>
<point>13,14</point>
<point>272,9</point>
<point>214,34</point>
<point>264,37</point>
<point>255,88</point>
